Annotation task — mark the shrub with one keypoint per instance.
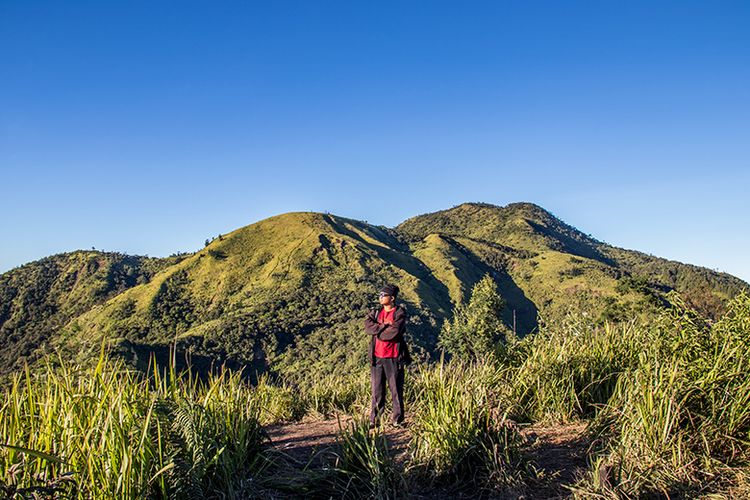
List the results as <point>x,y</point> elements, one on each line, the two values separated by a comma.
<point>476,327</point>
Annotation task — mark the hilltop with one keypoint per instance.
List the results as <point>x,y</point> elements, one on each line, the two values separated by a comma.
<point>295,281</point>
<point>536,257</point>
<point>287,293</point>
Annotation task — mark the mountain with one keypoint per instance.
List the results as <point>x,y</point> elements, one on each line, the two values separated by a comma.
<point>520,226</point>
<point>537,257</point>
<point>254,293</point>
<point>287,294</point>
<point>39,298</point>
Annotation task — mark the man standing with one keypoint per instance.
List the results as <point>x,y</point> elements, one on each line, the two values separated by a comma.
<point>388,355</point>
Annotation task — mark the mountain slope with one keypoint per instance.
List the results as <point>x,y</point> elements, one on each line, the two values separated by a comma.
<point>521,226</point>
<point>39,298</point>
<point>558,267</point>
<point>264,288</point>
<point>288,293</point>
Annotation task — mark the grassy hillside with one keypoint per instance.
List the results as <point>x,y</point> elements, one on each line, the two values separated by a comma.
<point>520,226</point>
<point>705,290</point>
<point>39,298</point>
<point>288,293</point>
<point>268,287</point>
<point>539,260</point>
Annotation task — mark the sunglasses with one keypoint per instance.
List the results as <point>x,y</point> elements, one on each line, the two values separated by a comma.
<point>381,294</point>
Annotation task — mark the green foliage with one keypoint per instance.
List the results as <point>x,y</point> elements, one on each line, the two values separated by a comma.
<point>679,419</point>
<point>566,371</point>
<point>632,283</point>
<point>326,351</point>
<point>108,432</point>
<point>172,310</point>
<point>279,402</point>
<point>668,401</point>
<point>348,394</point>
<point>37,299</point>
<point>364,464</point>
<point>460,432</point>
<point>706,290</point>
<point>476,327</point>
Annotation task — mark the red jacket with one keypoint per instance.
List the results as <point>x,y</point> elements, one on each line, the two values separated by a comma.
<point>393,333</point>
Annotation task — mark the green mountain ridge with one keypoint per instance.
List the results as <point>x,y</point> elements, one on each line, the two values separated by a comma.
<point>39,298</point>
<point>287,293</point>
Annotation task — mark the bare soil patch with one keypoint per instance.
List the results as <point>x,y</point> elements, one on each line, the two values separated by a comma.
<point>556,452</point>
<point>310,441</point>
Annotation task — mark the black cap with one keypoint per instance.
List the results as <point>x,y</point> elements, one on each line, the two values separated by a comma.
<point>390,289</point>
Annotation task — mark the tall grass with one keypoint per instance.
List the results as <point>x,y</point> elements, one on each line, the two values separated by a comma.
<point>365,466</point>
<point>342,393</point>
<point>680,420</point>
<point>568,370</point>
<point>279,402</point>
<point>460,432</point>
<point>668,402</point>
<point>113,433</point>
<point>324,397</point>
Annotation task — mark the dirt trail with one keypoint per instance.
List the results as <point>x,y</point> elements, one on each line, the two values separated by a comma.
<point>557,453</point>
<point>306,440</point>
<point>315,439</point>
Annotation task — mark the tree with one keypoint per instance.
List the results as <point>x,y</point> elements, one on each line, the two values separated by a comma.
<point>476,327</point>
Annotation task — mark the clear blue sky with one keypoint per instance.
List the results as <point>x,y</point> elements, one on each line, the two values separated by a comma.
<point>145,127</point>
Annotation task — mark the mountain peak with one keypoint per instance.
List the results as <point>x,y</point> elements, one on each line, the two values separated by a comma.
<point>516,209</point>
<point>519,225</point>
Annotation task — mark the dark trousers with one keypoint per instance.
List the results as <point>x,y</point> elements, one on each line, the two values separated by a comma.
<point>387,371</point>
